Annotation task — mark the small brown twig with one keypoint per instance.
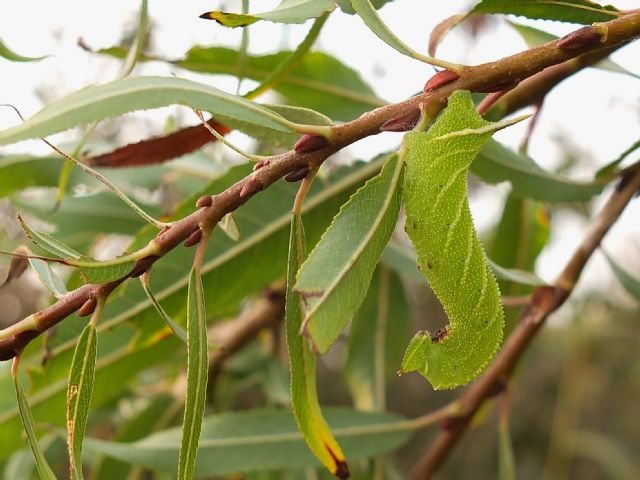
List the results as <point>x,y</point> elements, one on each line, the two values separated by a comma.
<point>545,300</point>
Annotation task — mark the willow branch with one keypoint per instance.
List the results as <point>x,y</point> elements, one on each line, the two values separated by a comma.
<point>545,300</point>
<point>309,154</point>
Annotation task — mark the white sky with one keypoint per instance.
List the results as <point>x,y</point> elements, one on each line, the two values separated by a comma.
<point>600,111</point>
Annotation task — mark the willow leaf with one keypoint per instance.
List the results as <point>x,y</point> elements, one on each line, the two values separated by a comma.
<point>534,37</point>
<point>574,11</point>
<point>7,53</point>
<point>48,277</point>
<point>81,380</point>
<point>497,163</point>
<point>197,368</point>
<point>302,362</point>
<point>334,279</point>
<point>319,81</point>
<point>288,11</point>
<point>130,94</point>
<point>44,470</point>
<point>48,243</point>
<point>449,253</point>
<point>630,283</point>
<point>173,326</point>
<point>261,439</point>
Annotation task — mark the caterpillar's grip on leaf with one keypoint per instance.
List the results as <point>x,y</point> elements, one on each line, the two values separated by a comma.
<point>448,251</point>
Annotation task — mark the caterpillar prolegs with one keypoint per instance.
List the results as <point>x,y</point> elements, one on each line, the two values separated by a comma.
<point>449,253</point>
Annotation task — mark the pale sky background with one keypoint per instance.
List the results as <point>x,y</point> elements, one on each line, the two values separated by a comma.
<point>599,112</point>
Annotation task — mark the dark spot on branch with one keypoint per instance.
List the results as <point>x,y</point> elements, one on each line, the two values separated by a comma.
<point>297,174</point>
<point>499,86</point>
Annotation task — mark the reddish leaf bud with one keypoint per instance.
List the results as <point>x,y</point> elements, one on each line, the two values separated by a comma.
<point>586,37</point>
<point>309,143</point>
<point>297,174</point>
<point>87,307</point>
<point>250,187</point>
<point>439,79</point>
<point>193,239</point>
<point>402,123</point>
<point>204,201</point>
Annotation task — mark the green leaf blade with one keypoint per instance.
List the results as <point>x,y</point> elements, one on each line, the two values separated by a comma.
<point>261,439</point>
<point>497,163</point>
<point>334,279</point>
<point>130,94</point>
<point>8,54</point>
<point>81,382</point>
<point>44,470</point>
<point>367,12</point>
<point>197,374</point>
<point>302,363</point>
<point>288,11</point>
<point>630,283</point>
<point>575,11</point>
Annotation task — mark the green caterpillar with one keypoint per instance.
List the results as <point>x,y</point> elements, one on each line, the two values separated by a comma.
<point>448,251</point>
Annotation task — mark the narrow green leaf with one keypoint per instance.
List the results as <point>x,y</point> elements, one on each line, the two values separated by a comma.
<point>138,42</point>
<point>5,52</point>
<point>611,167</point>
<point>506,459</point>
<point>575,11</point>
<point>515,275</point>
<point>175,328</point>
<point>346,7</point>
<point>81,381</point>
<point>319,81</point>
<point>334,280</point>
<point>97,271</point>
<point>449,253</point>
<point>282,139</point>
<point>534,37</point>
<point>261,439</point>
<point>230,227</point>
<point>614,459</point>
<point>44,470</point>
<point>288,11</point>
<point>630,283</point>
<point>302,362</point>
<point>197,369</point>
<point>48,277</point>
<point>367,12</point>
<point>497,163</point>
<point>48,243</point>
<point>378,331</point>
<point>130,94</point>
